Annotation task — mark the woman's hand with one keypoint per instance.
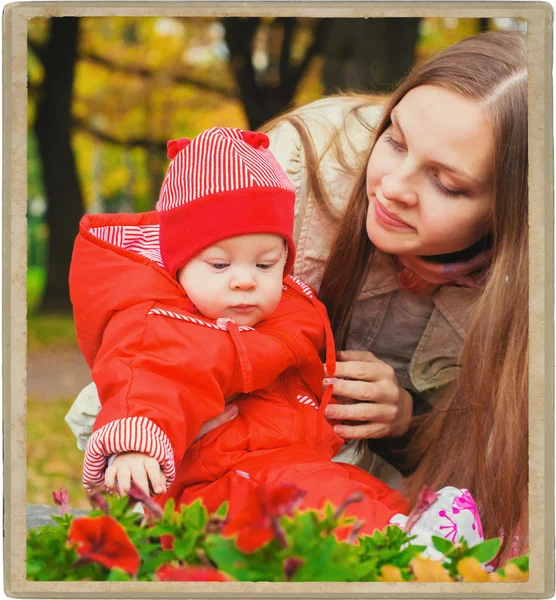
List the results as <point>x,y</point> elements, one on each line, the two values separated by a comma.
<point>136,466</point>
<point>229,413</point>
<point>368,392</point>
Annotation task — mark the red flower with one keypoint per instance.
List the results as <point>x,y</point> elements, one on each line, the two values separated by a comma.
<point>169,572</point>
<point>61,499</point>
<point>255,513</point>
<point>167,541</point>
<point>104,540</point>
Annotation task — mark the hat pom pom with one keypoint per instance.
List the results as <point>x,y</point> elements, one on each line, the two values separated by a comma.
<point>174,146</point>
<point>257,140</point>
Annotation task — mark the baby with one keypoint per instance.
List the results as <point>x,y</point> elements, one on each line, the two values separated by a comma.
<point>180,310</point>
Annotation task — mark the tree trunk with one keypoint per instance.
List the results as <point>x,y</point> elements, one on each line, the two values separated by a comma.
<point>369,55</point>
<point>52,126</point>
<point>272,93</point>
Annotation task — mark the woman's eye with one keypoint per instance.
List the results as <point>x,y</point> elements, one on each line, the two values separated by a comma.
<point>219,266</point>
<point>446,191</point>
<point>393,143</point>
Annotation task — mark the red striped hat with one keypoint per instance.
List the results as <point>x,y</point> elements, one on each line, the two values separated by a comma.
<point>223,183</point>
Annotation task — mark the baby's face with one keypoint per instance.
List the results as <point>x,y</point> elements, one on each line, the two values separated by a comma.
<point>239,278</point>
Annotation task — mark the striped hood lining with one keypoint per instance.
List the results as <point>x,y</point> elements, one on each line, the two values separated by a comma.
<point>142,239</point>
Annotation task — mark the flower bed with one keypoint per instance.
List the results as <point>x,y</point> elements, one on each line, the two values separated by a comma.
<point>263,538</point>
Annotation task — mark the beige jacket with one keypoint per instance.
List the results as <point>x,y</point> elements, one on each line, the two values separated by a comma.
<point>435,361</point>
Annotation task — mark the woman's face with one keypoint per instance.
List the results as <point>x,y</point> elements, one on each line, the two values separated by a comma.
<point>429,178</point>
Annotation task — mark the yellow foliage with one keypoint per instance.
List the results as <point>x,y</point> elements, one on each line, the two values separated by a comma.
<point>436,33</point>
<point>115,180</point>
<point>471,570</point>
<point>426,569</point>
<point>511,573</point>
<point>390,574</point>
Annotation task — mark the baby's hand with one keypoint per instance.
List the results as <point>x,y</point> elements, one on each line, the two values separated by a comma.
<point>138,466</point>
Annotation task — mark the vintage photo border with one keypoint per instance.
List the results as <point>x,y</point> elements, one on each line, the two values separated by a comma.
<point>541,260</point>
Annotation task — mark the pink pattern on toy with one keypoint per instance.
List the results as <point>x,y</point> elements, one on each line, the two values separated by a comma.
<point>466,502</point>
<point>452,528</point>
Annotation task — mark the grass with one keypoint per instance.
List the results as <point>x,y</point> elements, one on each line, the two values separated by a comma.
<point>36,279</point>
<point>45,331</point>
<point>53,459</point>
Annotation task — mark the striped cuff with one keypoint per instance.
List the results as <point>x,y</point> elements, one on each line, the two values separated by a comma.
<point>133,434</point>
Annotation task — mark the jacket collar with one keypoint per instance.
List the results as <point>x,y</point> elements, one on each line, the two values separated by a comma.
<point>456,304</point>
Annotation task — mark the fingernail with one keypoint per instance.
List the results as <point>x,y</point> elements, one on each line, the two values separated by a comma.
<point>325,371</point>
<point>231,411</point>
<point>329,380</point>
<point>158,489</point>
<point>339,429</point>
<point>330,411</point>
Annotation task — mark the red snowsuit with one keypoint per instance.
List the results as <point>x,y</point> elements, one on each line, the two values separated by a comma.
<point>162,370</point>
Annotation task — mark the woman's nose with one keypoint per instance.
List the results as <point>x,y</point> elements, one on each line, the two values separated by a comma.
<point>398,186</point>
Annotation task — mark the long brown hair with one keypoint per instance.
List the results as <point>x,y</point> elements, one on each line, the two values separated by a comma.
<point>476,437</point>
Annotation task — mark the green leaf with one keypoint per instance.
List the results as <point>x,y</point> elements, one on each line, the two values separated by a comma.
<point>244,567</point>
<point>194,516</point>
<point>522,562</point>
<point>118,575</point>
<point>486,550</point>
<point>404,557</point>
<point>441,544</point>
<point>184,545</point>
<point>224,553</point>
<point>168,509</point>
<point>59,520</point>
<point>150,565</point>
<point>222,509</point>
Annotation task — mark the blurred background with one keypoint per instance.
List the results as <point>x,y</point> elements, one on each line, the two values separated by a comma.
<point>104,96</point>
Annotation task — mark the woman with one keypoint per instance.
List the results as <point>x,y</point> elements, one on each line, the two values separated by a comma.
<point>411,223</point>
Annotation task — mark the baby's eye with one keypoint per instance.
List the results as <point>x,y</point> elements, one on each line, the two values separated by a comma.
<point>219,266</point>
<point>265,266</point>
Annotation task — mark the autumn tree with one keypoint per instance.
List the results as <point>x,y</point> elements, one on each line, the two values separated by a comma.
<point>368,54</point>
<point>52,127</point>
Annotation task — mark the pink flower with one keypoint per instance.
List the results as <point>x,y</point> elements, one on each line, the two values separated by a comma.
<point>136,494</point>
<point>425,499</point>
<point>61,500</point>
<point>291,565</point>
<point>98,500</point>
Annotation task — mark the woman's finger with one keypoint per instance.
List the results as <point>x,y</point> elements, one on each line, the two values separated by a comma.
<point>360,355</point>
<point>364,371</point>
<point>156,477</point>
<point>229,413</point>
<point>381,391</point>
<point>360,432</point>
<point>362,411</point>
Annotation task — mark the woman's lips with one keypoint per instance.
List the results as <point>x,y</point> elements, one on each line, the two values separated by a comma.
<point>388,218</point>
